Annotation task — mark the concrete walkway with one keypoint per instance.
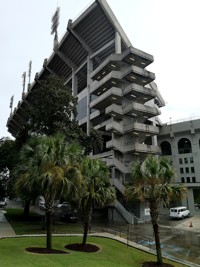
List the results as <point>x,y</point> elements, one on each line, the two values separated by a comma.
<point>6,229</point>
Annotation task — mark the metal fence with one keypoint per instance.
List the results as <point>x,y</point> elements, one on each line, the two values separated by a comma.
<point>126,234</point>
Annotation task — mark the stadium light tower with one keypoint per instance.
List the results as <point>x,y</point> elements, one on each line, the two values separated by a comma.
<point>23,84</point>
<point>54,26</point>
<point>11,104</point>
<point>29,74</point>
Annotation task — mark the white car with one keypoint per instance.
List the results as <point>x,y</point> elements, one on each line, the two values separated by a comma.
<point>3,202</point>
<point>42,205</point>
<point>179,212</point>
<point>64,204</point>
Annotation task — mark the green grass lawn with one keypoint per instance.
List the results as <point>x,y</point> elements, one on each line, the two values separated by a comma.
<point>34,224</point>
<point>112,253</point>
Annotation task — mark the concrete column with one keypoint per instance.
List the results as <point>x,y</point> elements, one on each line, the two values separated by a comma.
<point>74,83</point>
<point>89,81</point>
<point>113,173</point>
<point>154,138</point>
<point>190,201</point>
<point>118,49</point>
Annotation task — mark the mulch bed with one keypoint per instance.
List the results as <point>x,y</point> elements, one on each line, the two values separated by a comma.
<point>155,264</point>
<point>79,247</point>
<point>45,251</point>
<point>75,246</point>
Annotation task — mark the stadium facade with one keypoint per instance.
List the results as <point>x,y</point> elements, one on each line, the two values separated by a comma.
<point>116,94</point>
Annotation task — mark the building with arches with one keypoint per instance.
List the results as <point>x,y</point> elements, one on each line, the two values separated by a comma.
<point>180,144</point>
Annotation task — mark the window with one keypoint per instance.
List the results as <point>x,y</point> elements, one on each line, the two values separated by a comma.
<point>192,169</point>
<point>166,148</point>
<point>181,170</point>
<point>187,170</point>
<point>188,179</point>
<point>186,160</point>
<point>180,161</point>
<point>191,160</point>
<point>182,180</point>
<point>194,179</point>
<point>184,146</point>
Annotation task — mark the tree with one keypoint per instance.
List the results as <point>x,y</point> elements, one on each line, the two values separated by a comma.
<point>92,142</point>
<point>52,108</point>
<point>49,167</point>
<point>153,180</point>
<point>95,190</point>
<point>8,158</point>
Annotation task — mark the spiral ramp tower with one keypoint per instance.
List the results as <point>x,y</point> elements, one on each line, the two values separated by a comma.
<point>116,94</point>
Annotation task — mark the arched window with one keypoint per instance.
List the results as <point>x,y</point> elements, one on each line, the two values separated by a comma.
<point>166,148</point>
<point>184,146</point>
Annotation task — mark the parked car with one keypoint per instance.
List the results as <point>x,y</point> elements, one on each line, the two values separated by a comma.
<point>3,202</point>
<point>42,205</point>
<point>63,205</point>
<point>69,217</point>
<point>179,212</point>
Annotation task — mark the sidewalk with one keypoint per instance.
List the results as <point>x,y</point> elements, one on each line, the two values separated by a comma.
<point>6,229</point>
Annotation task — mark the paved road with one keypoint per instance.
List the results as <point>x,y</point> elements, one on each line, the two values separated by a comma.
<point>180,239</point>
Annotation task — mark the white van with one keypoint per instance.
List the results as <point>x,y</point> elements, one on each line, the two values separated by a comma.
<point>179,212</point>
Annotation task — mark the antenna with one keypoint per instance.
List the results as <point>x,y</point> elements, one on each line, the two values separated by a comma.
<point>11,104</point>
<point>23,83</point>
<point>54,26</point>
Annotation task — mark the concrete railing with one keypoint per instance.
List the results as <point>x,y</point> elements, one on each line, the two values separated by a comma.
<point>118,185</point>
<point>126,215</point>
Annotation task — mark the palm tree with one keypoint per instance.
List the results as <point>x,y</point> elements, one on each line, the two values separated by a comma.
<point>95,191</point>
<point>49,166</point>
<point>153,180</point>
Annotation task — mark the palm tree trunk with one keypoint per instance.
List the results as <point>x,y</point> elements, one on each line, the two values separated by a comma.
<point>49,230</point>
<point>157,240</point>
<point>85,233</point>
<point>87,216</point>
<point>154,220</point>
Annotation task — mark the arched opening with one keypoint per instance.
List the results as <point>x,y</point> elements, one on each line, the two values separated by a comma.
<point>184,146</point>
<point>166,148</point>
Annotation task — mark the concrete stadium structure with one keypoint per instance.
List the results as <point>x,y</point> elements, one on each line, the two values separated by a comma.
<point>116,95</point>
<point>180,144</point>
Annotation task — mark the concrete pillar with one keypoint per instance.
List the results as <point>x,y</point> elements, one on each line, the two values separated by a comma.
<point>154,138</point>
<point>113,172</point>
<point>89,81</point>
<point>74,83</point>
<point>190,201</point>
<point>118,49</point>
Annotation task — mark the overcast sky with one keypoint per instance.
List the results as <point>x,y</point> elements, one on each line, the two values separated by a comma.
<point>167,29</point>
